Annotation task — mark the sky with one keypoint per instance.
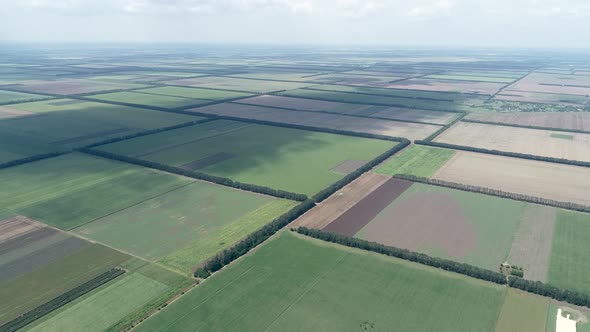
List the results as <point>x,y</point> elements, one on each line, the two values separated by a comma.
<point>479,23</point>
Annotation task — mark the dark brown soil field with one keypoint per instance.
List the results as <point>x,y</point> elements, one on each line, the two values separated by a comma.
<point>349,166</point>
<point>353,220</point>
<point>207,161</point>
<point>424,221</point>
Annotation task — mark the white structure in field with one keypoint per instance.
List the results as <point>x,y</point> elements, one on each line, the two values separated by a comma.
<point>564,324</point>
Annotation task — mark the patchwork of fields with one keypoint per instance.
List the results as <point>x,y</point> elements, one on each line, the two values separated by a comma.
<point>162,191</point>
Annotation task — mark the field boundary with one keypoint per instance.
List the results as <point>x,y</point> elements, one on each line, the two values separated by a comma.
<point>578,131</point>
<point>444,128</point>
<point>495,192</point>
<point>505,153</point>
<point>394,89</point>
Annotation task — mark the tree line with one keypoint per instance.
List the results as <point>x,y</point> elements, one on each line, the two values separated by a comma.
<point>327,192</point>
<point>505,154</point>
<point>228,255</point>
<point>445,264</point>
<point>495,192</point>
<point>197,175</point>
<point>579,131</point>
<point>60,301</point>
<point>442,129</point>
<point>553,292</point>
<point>32,158</point>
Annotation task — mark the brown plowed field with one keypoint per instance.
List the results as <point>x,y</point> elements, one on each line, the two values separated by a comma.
<point>353,220</point>
<point>521,140</point>
<point>548,180</point>
<point>531,248</point>
<point>563,120</point>
<point>424,221</point>
<point>554,83</point>
<point>484,88</point>
<point>16,226</point>
<point>335,205</point>
<point>411,131</point>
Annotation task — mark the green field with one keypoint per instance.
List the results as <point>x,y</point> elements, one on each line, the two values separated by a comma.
<point>569,265</point>
<point>74,189</point>
<point>416,160</point>
<point>307,157</point>
<point>298,284</point>
<point>485,225</point>
<point>194,93</point>
<point>35,288</point>
<point>523,312</point>
<point>193,215</point>
<point>147,99</point>
<point>7,97</point>
<point>562,136</point>
<point>246,85</point>
<point>472,78</point>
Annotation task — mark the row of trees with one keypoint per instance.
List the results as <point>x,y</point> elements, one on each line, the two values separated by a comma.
<point>327,192</point>
<point>495,192</point>
<point>32,158</point>
<point>60,301</point>
<point>580,131</point>
<point>148,132</point>
<point>553,292</point>
<point>505,154</point>
<point>252,240</point>
<point>442,129</point>
<point>445,264</point>
<point>198,175</point>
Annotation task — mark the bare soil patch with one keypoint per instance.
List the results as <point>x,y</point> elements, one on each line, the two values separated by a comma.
<point>484,88</point>
<point>531,248</point>
<point>16,226</point>
<point>353,220</point>
<point>521,140</point>
<point>6,113</point>
<point>334,206</point>
<point>425,220</point>
<point>562,120</point>
<point>411,131</point>
<point>207,161</point>
<point>349,166</point>
<point>536,178</point>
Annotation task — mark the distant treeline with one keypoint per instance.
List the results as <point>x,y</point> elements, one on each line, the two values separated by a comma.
<point>22,101</point>
<point>148,132</point>
<point>60,301</point>
<point>32,158</point>
<point>325,193</point>
<point>252,240</point>
<point>495,192</point>
<point>445,264</point>
<point>553,292</point>
<point>441,130</point>
<point>197,175</point>
<point>505,154</point>
<point>579,131</point>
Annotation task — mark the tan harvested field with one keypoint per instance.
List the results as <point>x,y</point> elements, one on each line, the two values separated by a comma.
<point>562,120</point>
<point>410,114</point>
<point>411,131</point>
<point>448,86</point>
<point>301,103</point>
<point>536,178</point>
<point>537,97</point>
<point>6,112</point>
<point>554,83</point>
<point>538,142</point>
<point>334,206</point>
<point>531,248</point>
<point>16,226</point>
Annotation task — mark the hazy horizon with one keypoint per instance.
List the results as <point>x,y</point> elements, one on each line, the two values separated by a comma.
<point>425,23</point>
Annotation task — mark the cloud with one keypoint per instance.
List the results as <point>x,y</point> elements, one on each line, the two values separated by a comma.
<point>434,9</point>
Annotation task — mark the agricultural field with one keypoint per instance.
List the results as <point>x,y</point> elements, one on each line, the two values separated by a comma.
<point>74,189</point>
<point>535,178</point>
<point>194,93</point>
<point>554,83</point>
<point>7,97</point>
<point>141,98</point>
<point>360,80</point>
<point>321,120</point>
<point>537,142</point>
<point>67,87</point>
<point>211,148</point>
<point>423,84</point>
<point>418,160</point>
<point>576,121</point>
<point>471,78</point>
<point>239,84</point>
<point>306,280</point>
<point>542,99</point>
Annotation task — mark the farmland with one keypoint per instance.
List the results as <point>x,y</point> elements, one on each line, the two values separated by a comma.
<point>254,160</point>
<point>313,278</point>
<point>300,188</point>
